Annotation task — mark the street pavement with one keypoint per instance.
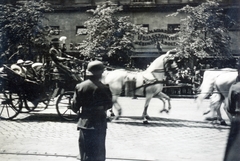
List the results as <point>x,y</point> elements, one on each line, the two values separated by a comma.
<point>180,135</point>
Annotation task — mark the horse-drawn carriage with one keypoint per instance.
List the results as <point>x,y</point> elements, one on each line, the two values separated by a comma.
<point>22,95</point>
<point>148,83</point>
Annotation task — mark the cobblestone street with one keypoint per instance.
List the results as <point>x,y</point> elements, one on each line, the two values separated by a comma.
<point>180,135</point>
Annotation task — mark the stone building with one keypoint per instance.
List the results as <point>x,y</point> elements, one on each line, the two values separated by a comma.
<point>69,16</point>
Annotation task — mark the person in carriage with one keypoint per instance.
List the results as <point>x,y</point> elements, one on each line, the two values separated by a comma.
<point>26,70</point>
<point>30,73</point>
<point>55,56</point>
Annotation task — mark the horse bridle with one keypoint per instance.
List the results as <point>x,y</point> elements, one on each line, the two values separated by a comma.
<point>164,70</point>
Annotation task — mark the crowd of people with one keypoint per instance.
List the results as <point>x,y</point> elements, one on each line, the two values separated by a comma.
<point>187,77</point>
<point>55,60</point>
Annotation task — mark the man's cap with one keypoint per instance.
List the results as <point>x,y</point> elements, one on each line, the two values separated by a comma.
<point>95,67</point>
<point>63,39</point>
<point>20,61</point>
<point>55,41</point>
<point>20,47</point>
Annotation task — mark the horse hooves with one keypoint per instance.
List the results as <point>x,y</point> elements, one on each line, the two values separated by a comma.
<point>146,117</point>
<point>116,118</point>
<point>145,121</point>
<point>222,122</point>
<point>164,111</point>
<point>120,112</point>
<point>211,118</point>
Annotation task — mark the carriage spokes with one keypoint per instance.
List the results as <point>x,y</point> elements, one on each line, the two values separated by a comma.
<point>11,105</point>
<point>63,106</point>
<point>19,91</point>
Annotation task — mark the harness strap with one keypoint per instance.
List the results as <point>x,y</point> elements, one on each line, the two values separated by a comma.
<point>153,83</point>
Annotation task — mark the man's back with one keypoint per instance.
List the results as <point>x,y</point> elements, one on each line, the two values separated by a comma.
<point>234,98</point>
<point>233,144</point>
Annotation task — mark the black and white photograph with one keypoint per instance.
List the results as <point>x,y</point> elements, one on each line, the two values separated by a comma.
<point>120,80</point>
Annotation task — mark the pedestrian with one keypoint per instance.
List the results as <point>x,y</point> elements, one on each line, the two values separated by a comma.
<point>92,99</point>
<point>233,143</point>
<point>159,47</point>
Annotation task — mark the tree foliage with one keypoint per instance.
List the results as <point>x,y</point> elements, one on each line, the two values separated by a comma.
<point>108,34</point>
<point>22,24</point>
<point>204,31</point>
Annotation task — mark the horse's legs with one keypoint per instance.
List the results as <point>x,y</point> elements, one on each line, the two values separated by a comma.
<point>145,115</point>
<point>219,115</point>
<point>117,106</point>
<point>199,101</point>
<point>164,105</point>
<point>215,104</point>
<point>225,108</point>
<point>215,109</point>
<point>163,96</point>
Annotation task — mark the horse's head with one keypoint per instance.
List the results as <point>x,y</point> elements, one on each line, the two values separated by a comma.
<point>164,64</point>
<point>171,67</point>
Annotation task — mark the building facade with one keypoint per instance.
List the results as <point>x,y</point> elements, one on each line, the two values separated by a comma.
<point>69,16</point>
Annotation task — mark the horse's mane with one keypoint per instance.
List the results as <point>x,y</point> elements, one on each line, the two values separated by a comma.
<point>157,61</point>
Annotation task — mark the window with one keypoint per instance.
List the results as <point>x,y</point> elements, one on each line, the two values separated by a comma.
<point>81,30</point>
<point>145,27</point>
<point>55,30</point>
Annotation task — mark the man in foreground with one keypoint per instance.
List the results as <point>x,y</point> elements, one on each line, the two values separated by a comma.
<point>92,99</point>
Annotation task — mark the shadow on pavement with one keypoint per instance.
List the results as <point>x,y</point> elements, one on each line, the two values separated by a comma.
<point>130,120</point>
<point>28,156</point>
<point>39,117</point>
<point>168,122</point>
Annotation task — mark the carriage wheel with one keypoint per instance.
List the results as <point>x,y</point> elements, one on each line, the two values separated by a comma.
<point>63,106</point>
<point>28,106</point>
<point>41,103</point>
<point>11,105</point>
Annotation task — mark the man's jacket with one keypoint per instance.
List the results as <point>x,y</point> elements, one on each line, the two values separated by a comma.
<point>92,99</point>
<point>234,99</point>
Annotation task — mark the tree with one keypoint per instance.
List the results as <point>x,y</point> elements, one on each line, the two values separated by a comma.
<point>109,35</point>
<point>204,32</point>
<point>22,24</point>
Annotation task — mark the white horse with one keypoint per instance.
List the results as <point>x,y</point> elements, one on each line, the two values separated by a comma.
<point>208,83</point>
<point>149,83</point>
<point>217,83</point>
